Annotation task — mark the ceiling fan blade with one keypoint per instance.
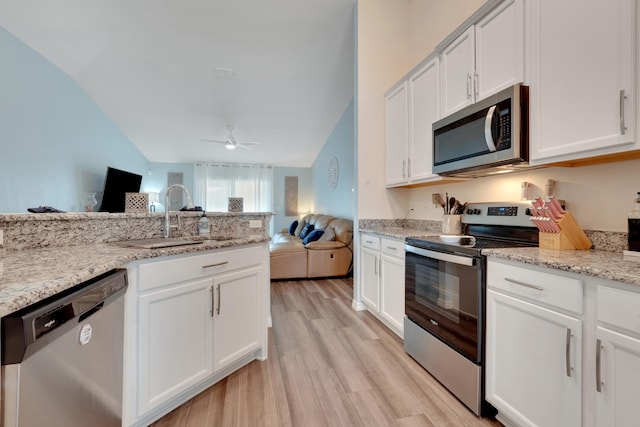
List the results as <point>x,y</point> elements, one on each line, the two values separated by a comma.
<point>217,141</point>
<point>249,143</point>
<point>244,146</point>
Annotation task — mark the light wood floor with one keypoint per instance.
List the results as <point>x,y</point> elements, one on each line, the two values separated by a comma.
<point>328,365</point>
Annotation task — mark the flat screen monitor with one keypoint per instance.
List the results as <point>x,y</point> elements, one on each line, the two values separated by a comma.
<point>116,183</point>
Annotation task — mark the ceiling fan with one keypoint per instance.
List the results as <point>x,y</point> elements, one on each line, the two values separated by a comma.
<point>230,142</point>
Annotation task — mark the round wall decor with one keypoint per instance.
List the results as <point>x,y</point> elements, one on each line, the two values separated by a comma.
<point>333,172</point>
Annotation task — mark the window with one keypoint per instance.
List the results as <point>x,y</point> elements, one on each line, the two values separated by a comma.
<point>216,182</point>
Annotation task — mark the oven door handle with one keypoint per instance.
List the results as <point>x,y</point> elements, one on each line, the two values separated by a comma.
<point>456,259</point>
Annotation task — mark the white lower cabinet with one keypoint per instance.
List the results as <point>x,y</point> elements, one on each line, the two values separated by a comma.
<point>382,279</point>
<point>392,284</point>
<point>562,349</point>
<point>617,359</point>
<point>191,320</point>
<point>533,362</point>
<point>618,369</point>
<point>534,346</point>
<point>175,341</point>
<point>236,316</point>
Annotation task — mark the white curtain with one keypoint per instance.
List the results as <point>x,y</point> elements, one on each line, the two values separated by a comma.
<point>214,183</point>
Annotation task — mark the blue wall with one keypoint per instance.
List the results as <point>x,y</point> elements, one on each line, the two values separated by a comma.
<point>305,195</point>
<point>156,180</point>
<point>339,202</point>
<point>55,141</point>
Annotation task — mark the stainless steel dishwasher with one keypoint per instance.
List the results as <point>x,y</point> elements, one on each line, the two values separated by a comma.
<point>62,358</point>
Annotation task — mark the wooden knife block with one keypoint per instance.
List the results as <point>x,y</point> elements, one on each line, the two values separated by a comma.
<point>570,236</point>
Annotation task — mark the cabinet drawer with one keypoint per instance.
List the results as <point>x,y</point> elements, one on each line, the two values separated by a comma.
<point>161,273</point>
<point>369,241</point>
<point>392,247</point>
<point>619,308</point>
<point>538,286</point>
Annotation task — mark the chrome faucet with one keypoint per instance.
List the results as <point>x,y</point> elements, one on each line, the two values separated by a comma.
<point>167,221</point>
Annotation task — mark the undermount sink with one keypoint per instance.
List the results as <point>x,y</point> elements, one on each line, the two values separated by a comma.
<point>157,242</point>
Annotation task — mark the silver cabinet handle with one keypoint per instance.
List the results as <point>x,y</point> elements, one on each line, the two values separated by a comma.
<point>527,285</point>
<point>375,267</point>
<point>213,303</point>
<point>468,86</point>
<point>488,135</point>
<point>476,89</point>
<point>218,264</point>
<point>218,307</point>
<point>391,248</point>
<point>409,168</point>
<point>623,127</point>
<point>404,169</point>
<point>567,351</point>
<point>598,365</point>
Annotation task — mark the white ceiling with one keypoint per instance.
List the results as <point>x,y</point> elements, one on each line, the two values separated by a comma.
<point>149,65</point>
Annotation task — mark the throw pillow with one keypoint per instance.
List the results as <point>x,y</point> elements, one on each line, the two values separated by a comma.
<point>306,230</point>
<point>329,235</point>
<point>292,227</point>
<point>299,228</point>
<point>313,236</point>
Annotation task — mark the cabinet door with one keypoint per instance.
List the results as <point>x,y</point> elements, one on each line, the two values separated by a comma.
<point>534,363</point>
<point>618,400</point>
<point>424,109</point>
<point>396,135</point>
<point>370,277</point>
<point>582,73</point>
<point>175,341</point>
<point>499,49</point>
<point>237,316</point>
<point>458,65</point>
<point>392,290</point>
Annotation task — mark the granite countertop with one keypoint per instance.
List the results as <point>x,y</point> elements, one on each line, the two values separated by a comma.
<point>400,232</point>
<point>29,276</point>
<point>601,264</point>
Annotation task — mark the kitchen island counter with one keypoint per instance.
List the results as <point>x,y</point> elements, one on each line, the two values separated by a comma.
<point>601,264</point>
<point>29,276</point>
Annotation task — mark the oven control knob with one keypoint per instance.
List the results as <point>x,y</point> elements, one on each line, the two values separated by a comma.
<point>476,211</point>
<point>469,211</point>
<point>527,212</point>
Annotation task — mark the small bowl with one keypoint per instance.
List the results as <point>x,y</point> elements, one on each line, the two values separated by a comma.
<point>450,238</point>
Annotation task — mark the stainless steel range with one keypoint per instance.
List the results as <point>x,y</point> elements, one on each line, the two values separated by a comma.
<point>445,294</point>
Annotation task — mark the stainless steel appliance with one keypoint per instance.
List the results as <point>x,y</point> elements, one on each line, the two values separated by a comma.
<point>488,136</point>
<point>62,358</point>
<point>445,294</point>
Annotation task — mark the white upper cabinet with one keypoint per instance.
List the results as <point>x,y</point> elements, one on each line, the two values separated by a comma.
<point>581,64</point>
<point>458,72</point>
<point>396,135</point>
<point>486,58</point>
<point>499,49</point>
<point>424,109</point>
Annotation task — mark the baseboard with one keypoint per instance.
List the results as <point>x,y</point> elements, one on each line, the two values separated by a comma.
<point>358,305</point>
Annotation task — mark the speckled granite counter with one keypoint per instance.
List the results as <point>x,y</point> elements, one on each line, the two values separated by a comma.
<point>600,264</point>
<point>604,264</point>
<point>29,276</point>
<point>400,229</point>
<point>44,254</point>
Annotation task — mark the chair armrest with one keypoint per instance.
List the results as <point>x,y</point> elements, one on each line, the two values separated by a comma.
<point>325,244</point>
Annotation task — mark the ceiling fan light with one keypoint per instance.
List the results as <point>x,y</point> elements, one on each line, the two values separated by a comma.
<point>230,146</point>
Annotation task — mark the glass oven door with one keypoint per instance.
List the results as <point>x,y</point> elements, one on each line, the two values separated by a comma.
<point>443,295</point>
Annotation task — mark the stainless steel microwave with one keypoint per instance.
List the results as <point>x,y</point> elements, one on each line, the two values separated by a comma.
<point>490,136</point>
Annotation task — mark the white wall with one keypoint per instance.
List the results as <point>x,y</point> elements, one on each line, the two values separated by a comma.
<point>383,57</point>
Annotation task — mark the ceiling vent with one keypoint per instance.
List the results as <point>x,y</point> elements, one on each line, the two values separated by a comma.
<point>224,73</point>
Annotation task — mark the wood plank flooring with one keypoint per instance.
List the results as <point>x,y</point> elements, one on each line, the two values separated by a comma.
<point>328,365</point>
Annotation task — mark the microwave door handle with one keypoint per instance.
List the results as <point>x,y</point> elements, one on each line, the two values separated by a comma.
<point>488,136</point>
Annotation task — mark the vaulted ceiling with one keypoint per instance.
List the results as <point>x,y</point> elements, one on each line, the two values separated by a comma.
<point>172,73</point>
